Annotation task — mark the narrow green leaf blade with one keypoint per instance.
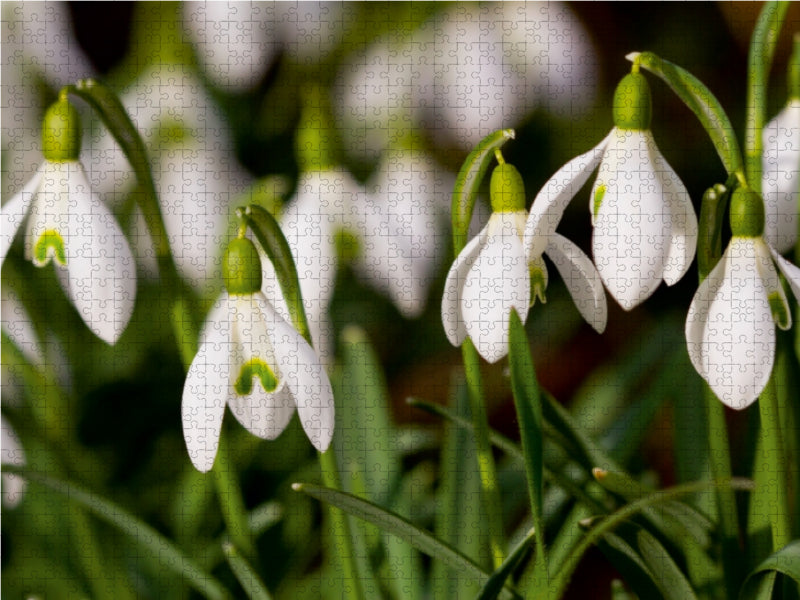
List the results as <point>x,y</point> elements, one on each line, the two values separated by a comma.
<point>397,525</point>
<point>785,561</point>
<point>157,545</point>
<point>498,579</point>
<point>469,180</point>
<point>250,581</point>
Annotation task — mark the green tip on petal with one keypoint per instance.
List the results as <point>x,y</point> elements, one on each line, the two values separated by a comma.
<point>746,213</point>
<point>780,312</point>
<point>538,286</point>
<point>255,367</point>
<point>49,245</point>
<point>61,132</point>
<point>633,108</point>
<point>598,199</point>
<point>348,245</point>
<point>241,267</point>
<point>506,189</point>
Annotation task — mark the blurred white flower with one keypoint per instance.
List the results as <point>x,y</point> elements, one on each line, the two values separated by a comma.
<point>235,41</point>
<point>253,361</point>
<point>491,65</point>
<point>730,328</point>
<point>780,177</point>
<point>401,225</point>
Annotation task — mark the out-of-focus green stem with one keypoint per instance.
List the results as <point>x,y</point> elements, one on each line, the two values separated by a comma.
<point>231,502</point>
<point>490,491</point>
<point>772,460</point>
<point>762,50</point>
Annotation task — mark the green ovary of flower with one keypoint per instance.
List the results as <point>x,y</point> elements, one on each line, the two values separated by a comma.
<point>255,367</point>
<point>633,107</point>
<point>61,132</point>
<point>747,213</point>
<point>49,245</point>
<point>506,189</point>
<point>241,267</point>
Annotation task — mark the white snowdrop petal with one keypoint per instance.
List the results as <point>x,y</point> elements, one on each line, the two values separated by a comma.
<point>739,337</point>
<point>102,271</point>
<point>497,283</point>
<point>452,319</point>
<point>683,221</point>
<point>305,376</point>
<point>790,271</point>
<point>582,280</point>
<point>13,212</point>
<point>207,388</point>
<point>631,228</point>
<point>780,177</point>
<point>697,317</point>
<point>12,454</point>
<point>551,201</point>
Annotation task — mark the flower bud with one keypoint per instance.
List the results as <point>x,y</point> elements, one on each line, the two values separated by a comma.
<point>241,267</point>
<point>746,213</point>
<point>61,132</point>
<point>506,189</point>
<point>633,108</point>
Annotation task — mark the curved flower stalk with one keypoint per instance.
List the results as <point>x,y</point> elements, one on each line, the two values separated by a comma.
<point>401,227</point>
<point>730,328</point>
<point>253,361</point>
<point>780,177</point>
<point>645,228</point>
<point>69,225</point>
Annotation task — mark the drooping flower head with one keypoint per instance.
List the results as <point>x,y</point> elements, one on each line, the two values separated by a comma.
<point>645,229</point>
<point>70,226</point>
<point>503,268</point>
<point>253,361</point>
<point>730,328</point>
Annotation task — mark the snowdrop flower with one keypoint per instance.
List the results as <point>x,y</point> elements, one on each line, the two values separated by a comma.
<point>401,228</point>
<point>645,229</point>
<point>780,177</point>
<point>253,361</point>
<point>730,328</point>
<point>12,454</point>
<point>490,276</point>
<point>69,225</point>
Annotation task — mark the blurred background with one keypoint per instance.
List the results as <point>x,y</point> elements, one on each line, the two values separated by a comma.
<point>218,92</point>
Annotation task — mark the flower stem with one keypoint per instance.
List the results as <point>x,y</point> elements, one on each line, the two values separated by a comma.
<point>490,491</point>
<point>772,460</point>
<point>340,538</point>
<point>231,503</point>
<point>762,50</point>
<point>720,459</point>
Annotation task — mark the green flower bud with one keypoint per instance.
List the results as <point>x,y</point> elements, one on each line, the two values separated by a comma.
<point>506,189</point>
<point>61,132</point>
<point>746,213</point>
<point>633,108</point>
<point>241,267</point>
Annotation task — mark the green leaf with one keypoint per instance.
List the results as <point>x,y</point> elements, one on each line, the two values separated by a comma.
<point>630,565</point>
<point>170,556</point>
<point>498,579</point>
<point>701,102</point>
<point>397,525</point>
<point>785,561</point>
<point>250,581</point>
<point>527,400</point>
<point>469,180</point>
<point>669,577</point>
<point>269,235</point>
